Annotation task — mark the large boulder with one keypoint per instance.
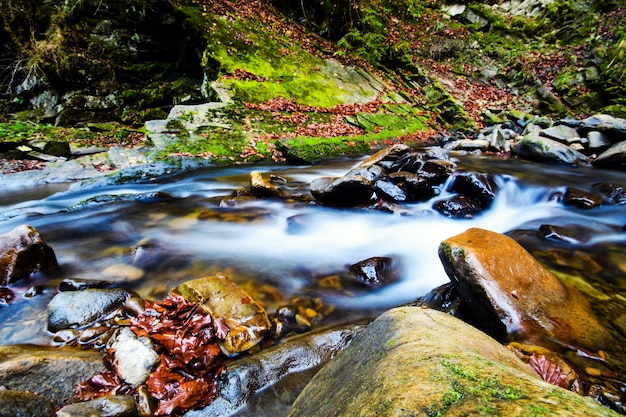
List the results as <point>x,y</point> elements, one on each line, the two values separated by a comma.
<point>504,283</point>
<point>48,371</point>
<point>415,361</point>
<point>22,252</point>
<point>223,299</point>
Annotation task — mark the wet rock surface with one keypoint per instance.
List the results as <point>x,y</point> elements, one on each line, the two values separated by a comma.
<point>22,252</point>
<point>420,361</point>
<point>501,279</point>
<point>72,309</point>
<point>48,371</point>
<point>111,406</point>
<point>246,319</point>
<point>267,383</point>
<point>24,404</point>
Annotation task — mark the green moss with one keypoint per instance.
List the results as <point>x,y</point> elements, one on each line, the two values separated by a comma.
<point>468,383</point>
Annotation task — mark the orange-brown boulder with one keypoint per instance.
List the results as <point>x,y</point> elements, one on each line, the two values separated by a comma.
<point>499,278</point>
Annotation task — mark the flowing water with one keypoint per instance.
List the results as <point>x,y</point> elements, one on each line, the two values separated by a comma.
<point>151,235</point>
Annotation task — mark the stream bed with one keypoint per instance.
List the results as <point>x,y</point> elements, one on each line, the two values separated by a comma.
<point>153,234</point>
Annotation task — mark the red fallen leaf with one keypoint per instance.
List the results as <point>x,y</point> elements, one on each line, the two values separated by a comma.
<point>548,370</point>
<point>104,383</point>
<point>221,328</point>
<point>177,392</point>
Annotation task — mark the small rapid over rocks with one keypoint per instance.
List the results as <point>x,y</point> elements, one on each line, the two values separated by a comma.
<point>312,251</point>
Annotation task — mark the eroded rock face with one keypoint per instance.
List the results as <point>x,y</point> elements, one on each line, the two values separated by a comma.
<point>22,252</point>
<point>415,361</point>
<point>223,299</point>
<point>501,279</point>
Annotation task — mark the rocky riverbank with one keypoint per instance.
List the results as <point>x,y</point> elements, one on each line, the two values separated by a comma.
<point>562,342</point>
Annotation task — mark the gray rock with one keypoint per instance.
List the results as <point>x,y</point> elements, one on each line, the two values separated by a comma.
<point>608,124</point>
<point>110,406</point>
<point>48,371</point>
<point>133,357</point>
<point>412,361</point>
<point>547,150</point>
<point>614,157</point>
<point>73,309</point>
<point>389,157</point>
<point>24,404</point>
<point>469,145</point>
<point>22,252</point>
<point>598,142</point>
<point>560,133</point>
<point>387,190</point>
<point>266,384</point>
<point>458,207</point>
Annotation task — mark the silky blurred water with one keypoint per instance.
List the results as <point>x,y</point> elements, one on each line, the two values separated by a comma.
<point>150,242</point>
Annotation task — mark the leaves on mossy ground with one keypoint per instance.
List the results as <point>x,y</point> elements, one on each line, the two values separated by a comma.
<point>186,337</point>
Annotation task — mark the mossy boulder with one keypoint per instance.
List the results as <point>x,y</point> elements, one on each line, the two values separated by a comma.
<point>414,361</point>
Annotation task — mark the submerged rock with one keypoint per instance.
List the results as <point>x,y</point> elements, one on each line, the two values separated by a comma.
<point>22,252</point>
<point>223,299</point>
<point>502,281</point>
<point>414,361</point>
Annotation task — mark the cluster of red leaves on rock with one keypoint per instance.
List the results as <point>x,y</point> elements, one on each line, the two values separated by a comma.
<point>186,338</point>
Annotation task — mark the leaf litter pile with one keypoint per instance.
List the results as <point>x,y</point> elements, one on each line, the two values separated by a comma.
<point>185,337</point>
